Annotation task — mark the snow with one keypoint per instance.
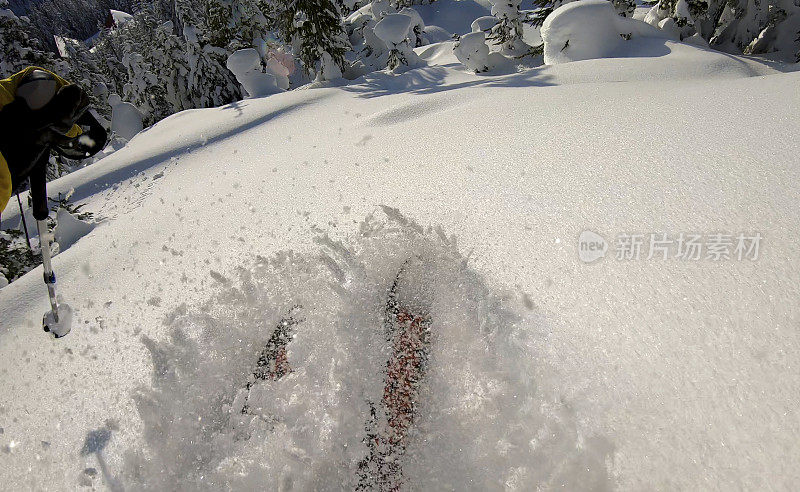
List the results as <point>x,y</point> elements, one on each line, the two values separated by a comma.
<point>120,18</point>
<point>393,28</point>
<point>379,8</point>
<point>472,51</point>
<point>545,372</point>
<point>435,34</point>
<point>246,66</point>
<point>126,119</point>
<point>454,16</point>
<point>69,229</point>
<point>505,8</point>
<point>483,23</point>
<point>61,46</point>
<point>592,29</point>
<point>416,20</point>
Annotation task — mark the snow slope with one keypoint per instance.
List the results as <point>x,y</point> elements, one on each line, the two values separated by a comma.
<point>454,16</point>
<point>545,371</point>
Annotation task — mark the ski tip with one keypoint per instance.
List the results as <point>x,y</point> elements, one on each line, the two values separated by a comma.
<point>413,288</point>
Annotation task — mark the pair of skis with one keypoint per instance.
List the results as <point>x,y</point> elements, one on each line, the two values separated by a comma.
<point>407,328</point>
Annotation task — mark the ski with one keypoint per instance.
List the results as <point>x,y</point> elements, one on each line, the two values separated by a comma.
<point>272,363</point>
<point>407,327</point>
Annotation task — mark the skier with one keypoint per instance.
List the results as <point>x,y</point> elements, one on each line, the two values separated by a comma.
<point>40,112</point>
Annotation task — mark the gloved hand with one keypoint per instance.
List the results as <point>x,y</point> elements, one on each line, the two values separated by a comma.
<point>90,142</point>
<point>26,134</point>
<point>67,106</point>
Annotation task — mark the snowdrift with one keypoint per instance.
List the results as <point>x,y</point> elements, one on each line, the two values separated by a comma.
<point>544,372</point>
<point>593,29</point>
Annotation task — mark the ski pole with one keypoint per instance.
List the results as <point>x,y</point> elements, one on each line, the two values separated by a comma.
<point>49,276</point>
<point>58,320</point>
<point>24,224</point>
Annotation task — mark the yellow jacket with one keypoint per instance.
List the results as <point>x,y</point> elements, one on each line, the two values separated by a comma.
<point>8,91</point>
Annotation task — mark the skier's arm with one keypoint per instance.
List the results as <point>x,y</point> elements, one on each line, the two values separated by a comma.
<point>38,110</point>
<point>5,183</point>
<point>19,148</point>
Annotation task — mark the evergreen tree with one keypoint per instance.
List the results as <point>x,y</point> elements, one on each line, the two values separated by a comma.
<point>18,48</point>
<point>81,66</point>
<point>746,25</point>
<point>76,19</point>
<point>625,8</point>
<point>16,258</point>
<point>541,9</point>
<point>694,16</point>
<point>162,69</point>
<point>314,28</point>
<point>208,82</point>
<point>508,31</point>
<point>231,24</point>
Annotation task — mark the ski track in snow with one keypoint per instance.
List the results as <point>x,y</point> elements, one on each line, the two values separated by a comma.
<point>310,428</point>
<point>648,375</point>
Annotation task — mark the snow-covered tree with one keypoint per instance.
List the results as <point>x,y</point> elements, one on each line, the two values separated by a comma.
<point>543,8</point>
<point>18,49</point>
<point>161,69</point>
<point>798,51</point>
<point>139,64</point>
<point>693,16</point>
<point>314,28</point>
<point>81,66</point>
<point>472,51</point>
<point>507,33</point>
<point>417,27</point>
<point>395,31</point>
<point>744,25</point>
<point>208,82</point>
<point>231,24</point>
<point>758,27</point>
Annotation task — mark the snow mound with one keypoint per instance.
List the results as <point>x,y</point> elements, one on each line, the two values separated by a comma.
<point>505,8</point>
<point>438,53</point>
<point>481,391</point>
<point>483,23</point>
<point>120,18</point>
<point>126,119</point>
<point>246,66</point>
<point>435,34</point>
<point>592,29</point>
<point>393,28</point>
<point>473,52</point>
<point>454,16</point>
<point>69,229</point>
<point>379,8</point>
